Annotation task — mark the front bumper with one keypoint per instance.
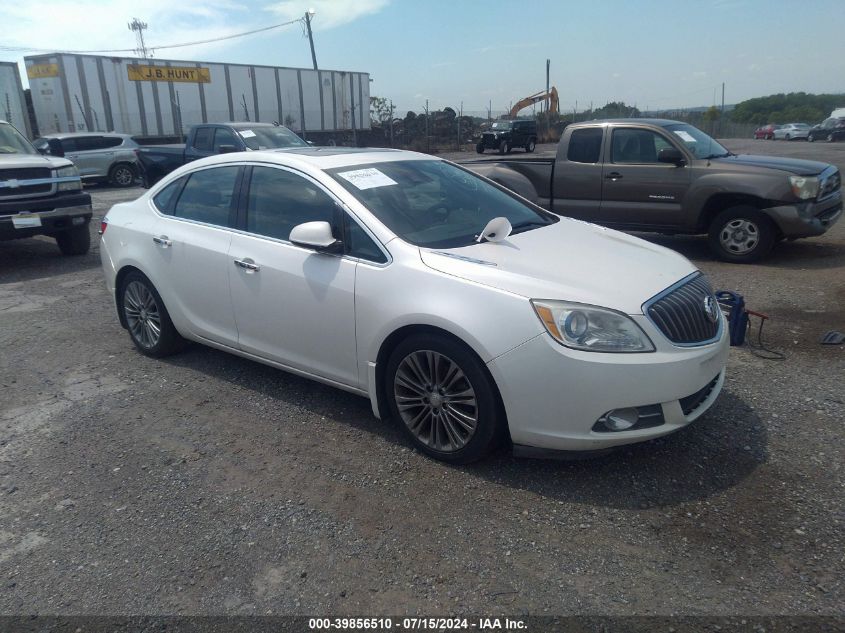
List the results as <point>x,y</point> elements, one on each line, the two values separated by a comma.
<point>553,395</point>
<point>57,214</point>
<point>809,218</point>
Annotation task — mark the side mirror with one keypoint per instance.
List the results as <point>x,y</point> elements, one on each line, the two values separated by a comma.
<point>55,147</point>
<point>311,143</point>
<point>671,155</point>
<point>316,235</point>
<point>226,149</point>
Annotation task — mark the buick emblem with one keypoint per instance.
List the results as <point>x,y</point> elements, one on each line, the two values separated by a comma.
<point>711,309</point>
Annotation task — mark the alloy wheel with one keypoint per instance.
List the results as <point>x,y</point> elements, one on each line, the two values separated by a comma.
<point>739,236</point>
<point>142,314</point>
<point>123,176</point>
<point>436,400</point>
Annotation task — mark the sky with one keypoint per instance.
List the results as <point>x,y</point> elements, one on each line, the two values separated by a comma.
<point>654,54</point>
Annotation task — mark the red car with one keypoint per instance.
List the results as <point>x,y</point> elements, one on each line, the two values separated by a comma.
<point>767,131</point>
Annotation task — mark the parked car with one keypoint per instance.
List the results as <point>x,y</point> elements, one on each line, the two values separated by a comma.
<point>506,135</point>
<point>210,139</point>
<point>99,157</point>
<point>792,132</point>
<point>832,129</point>
<point>670,177</point>
<point>462,311</point>
<point>766,132</point>
<point>41,195</point>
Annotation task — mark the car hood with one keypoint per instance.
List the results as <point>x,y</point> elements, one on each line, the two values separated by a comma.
<point>27,161</point>
<point>569,260</point>
<point>790,165</point>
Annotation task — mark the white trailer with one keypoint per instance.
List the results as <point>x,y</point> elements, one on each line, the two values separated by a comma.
<point>155,97</point>
<point>12,102</point>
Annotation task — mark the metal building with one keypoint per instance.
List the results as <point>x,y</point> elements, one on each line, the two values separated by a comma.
<point>77,93</point>
<point>12,102</point>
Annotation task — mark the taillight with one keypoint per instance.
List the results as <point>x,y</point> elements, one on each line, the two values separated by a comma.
<point>103,226</point>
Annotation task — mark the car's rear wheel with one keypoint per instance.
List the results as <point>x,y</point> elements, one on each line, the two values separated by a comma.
<point>787,137</point>
<point>830,138</point>
<point>443,398</point>
<point>74,241</point>
<point>503,147</point>
<point>122,175</point>
<point>741,234</point>
<point>146,318</point>
<point>530,146</point>
<point>479,148</point>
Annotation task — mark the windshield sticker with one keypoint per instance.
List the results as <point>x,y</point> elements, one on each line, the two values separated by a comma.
<point>246,133</point>
<point>686,136</point>
<point>367,178</point>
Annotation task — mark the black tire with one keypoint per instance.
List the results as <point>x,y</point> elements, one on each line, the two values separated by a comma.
<point>74,241</point>
<point>732,225</point>
<point>830,138</point>
<point>810,138</point>
<point>490,426</point>
<point>503,147</point>
<point>787,137</point>
<point>479,148</point>
<point>123,175</point>
<point>169,340</point>
<point>530,146</point>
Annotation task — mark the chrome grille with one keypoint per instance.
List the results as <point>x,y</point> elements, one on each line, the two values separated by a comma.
<point>680,313</point>
<point>831,185</point>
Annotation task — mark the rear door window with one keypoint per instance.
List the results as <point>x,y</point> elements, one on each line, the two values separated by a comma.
<point>208,196</point>
<point>585,145</point>
<point>635,146</point>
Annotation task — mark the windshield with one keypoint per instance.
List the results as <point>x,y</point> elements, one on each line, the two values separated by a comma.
<point>13,142</point>
<point>433,203</point>
<point>270,138</point>
<point>696,141</point>
<point>501,125</point>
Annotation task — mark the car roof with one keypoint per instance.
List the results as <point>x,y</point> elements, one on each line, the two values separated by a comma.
<point>321,158</point>
<point>660,122</point>
<point>61,135</point>
<point>245,124</point>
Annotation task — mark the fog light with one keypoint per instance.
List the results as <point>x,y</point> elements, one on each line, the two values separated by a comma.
<point>620,419</point>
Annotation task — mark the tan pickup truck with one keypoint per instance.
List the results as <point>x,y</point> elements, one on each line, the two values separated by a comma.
<point>664,176</point>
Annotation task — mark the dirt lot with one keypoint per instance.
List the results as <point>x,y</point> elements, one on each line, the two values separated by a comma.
<point>209,484</point>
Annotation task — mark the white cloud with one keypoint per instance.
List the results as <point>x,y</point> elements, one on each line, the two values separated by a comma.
<point>329,13</point>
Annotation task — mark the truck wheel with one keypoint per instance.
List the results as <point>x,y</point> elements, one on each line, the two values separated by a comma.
<point>444,399</point>
<point>503,147</point>
<point>830,138</point>
<point>75,241</point>
<point>122,175</point>
<point>741,234</point>
<point>479,148</point>
<point>810,138</point>
<point>530,146</point>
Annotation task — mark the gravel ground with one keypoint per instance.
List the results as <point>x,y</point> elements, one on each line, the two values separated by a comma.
<point>208,484</point>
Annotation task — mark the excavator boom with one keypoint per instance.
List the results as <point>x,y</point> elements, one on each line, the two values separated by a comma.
<point>550,97</point>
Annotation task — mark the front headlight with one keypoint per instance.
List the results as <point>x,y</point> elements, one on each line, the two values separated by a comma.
<point>69,172</point>
<point>591,328</point>
<point>804,187</point>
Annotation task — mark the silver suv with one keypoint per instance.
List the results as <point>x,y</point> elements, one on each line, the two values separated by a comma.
<point>99,157</point>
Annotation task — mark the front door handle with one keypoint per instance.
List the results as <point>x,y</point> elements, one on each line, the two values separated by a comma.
<point>248,265</point>
<point>162,241</point>
<point>614,175</point>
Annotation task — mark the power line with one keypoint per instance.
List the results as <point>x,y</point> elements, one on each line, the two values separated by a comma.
<point>23,49</point>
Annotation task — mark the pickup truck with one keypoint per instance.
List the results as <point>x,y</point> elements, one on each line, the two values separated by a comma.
<point>662,176</point>
<point>41,195</point>
<point>156,161</point>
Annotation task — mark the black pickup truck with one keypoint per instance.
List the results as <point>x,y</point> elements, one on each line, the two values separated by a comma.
<point>156,161</point>
<point>669,177</point>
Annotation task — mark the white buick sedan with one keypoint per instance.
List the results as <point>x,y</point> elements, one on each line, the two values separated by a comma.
<point>462,311</point>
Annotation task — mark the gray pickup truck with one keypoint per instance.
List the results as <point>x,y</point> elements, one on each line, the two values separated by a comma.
<point>662,176</point>
<point>41,195</point>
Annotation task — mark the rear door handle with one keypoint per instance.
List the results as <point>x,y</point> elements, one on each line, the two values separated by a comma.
<point>614,175</point>
<point>247,264</point>
<point>162,241</point>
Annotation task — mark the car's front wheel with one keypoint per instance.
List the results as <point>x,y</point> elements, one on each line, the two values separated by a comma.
<point>830,138</point>
<point>74,241</point>
<point>122,175</point>
<point>810,138</point>
<point>443,398</point>
<point>504,148</point>
<point>146,318</point>
<point>741,234</point>
<point>479,148</point>
<point>530,146</point>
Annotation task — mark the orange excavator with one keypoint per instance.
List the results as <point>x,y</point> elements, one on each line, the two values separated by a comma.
<point>549,97</point>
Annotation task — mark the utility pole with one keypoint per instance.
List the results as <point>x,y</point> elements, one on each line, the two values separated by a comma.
<point>427,140</point>
<point>391,123</point>
<point>722,113</point>
<point>460,115</point>
<point>139,27</point>
<point>309,15</point>
<point>490,110</point>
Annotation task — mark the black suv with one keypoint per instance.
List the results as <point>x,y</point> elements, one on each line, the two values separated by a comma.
<point>832,129</point>
<point>505,135</point>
